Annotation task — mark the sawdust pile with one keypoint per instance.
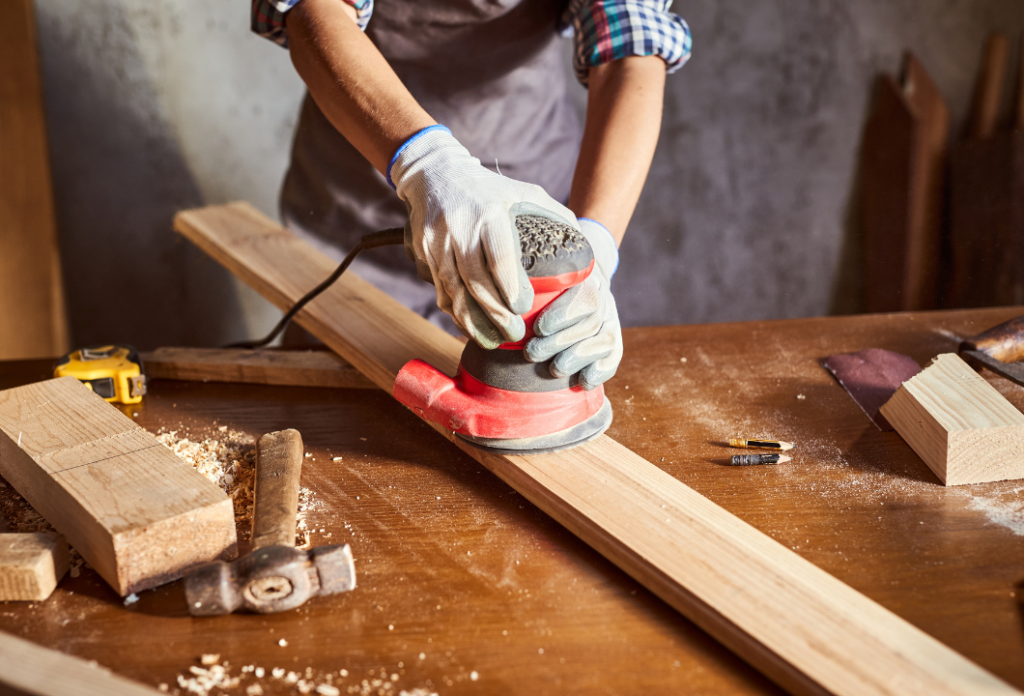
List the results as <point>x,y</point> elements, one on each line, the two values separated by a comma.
<point>257,681</point>
<point>20,517</point>
<point>228,459</point>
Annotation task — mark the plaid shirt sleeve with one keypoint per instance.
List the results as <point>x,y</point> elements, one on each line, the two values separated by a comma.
<point>268,17</point>
<point>606,30</point>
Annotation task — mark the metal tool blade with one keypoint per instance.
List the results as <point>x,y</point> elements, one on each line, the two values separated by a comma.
<point>1011,371</point>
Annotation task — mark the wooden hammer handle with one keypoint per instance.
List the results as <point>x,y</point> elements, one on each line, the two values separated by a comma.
<point>1004,342</point>
<point>276,498</point>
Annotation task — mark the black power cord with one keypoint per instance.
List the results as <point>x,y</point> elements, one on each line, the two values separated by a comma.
<point>373,240</point>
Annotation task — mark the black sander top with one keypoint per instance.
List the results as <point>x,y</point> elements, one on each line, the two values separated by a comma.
<point>551,248</point>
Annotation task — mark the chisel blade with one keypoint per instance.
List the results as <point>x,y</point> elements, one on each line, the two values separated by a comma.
<point>1011,371</point>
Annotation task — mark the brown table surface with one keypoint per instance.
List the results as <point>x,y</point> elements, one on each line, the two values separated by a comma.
<point>460,577</point>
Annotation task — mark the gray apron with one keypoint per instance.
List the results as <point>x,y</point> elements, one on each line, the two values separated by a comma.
<point>490,70</point>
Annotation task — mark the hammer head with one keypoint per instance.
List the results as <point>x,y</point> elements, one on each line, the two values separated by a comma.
<point>269,579</point>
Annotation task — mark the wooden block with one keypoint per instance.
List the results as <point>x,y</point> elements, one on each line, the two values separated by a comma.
<point>31,565</point>
<point>32,321</point>
<point>963,429</point>
<point>32,669</point>
<point>800,626</point>
<point>297,368</point>
<point>139,514</point>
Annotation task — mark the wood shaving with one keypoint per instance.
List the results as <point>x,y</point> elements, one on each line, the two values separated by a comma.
<point>254,680</point>
<point>17,516</point>
<point>229,460</point>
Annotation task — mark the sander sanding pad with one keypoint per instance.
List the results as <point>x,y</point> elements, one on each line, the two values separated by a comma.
<point>871,376</point>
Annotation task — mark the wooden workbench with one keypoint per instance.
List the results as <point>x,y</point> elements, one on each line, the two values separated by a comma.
<point>459,577</point>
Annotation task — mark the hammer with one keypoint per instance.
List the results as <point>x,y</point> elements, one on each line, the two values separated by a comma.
<point>274,576</point>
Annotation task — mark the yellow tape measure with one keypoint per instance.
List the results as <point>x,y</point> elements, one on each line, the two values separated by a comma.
<point>114,372</point>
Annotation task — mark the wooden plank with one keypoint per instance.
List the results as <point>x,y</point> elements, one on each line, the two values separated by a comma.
<point>307,368</point>
<point>32,669</point>
<point>800,626</point>
<point>927,187</point>
<point>988,87</point>
<point>135,511</point>
<point>1018,109</point>
<point>963,429</point>
<point>32,322</point>
<point>31,565</point>
<point>887,160</point>
<point>902,187</point>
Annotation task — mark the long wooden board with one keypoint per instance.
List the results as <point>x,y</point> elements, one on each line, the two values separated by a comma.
<point>139,514</point>
<point>296,368</point>
<point>32,669</point>
<point>800,626</point>
<point>32,323</point>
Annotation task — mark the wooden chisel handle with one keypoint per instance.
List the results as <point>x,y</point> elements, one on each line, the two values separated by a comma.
<point>276,498</point>
<point>1004,342</point>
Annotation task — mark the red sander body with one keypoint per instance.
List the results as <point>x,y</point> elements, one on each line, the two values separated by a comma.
<point>500,400</point>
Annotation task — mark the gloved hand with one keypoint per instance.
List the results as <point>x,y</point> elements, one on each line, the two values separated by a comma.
<point>581,328</point>
<point>464,240</point>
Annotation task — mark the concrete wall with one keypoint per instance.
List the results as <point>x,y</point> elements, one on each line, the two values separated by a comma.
<point>153,107</point>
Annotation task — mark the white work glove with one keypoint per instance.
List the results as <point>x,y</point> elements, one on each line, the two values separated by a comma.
<point>461,217</point>
<point>581,328</point>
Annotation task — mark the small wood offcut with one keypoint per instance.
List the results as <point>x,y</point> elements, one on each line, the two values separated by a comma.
<point>963,429</point>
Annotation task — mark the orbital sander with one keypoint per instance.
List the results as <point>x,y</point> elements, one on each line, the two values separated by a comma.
<point>500,400</point>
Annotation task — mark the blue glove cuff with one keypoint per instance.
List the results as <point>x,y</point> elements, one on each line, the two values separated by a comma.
<point>409,142</point>
<point>614,244</point>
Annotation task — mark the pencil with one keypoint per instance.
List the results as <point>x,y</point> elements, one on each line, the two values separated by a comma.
<point>758,459</point>
<point>761,444</point>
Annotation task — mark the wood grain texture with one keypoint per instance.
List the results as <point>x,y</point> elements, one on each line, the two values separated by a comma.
<point>135,511</point>
<point>800,626</point>
<point>32,321</point>
<point>308,368</point>
<point>963,429</point>
<point>32,669</point>
<point>276,498</point>
<point>31,565</point>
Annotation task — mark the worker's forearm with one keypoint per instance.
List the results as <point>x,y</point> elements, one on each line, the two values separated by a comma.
<point>351,81</point>
<point>623,120</point>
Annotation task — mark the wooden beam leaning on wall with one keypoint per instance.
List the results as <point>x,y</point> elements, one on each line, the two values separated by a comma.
<point>137,513</point>
<point>800,626</point>
<point>32,669</point>
<point>32,322</point>
<point>963,429</point>
<point>296,368</point>
<point>31,565</point>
